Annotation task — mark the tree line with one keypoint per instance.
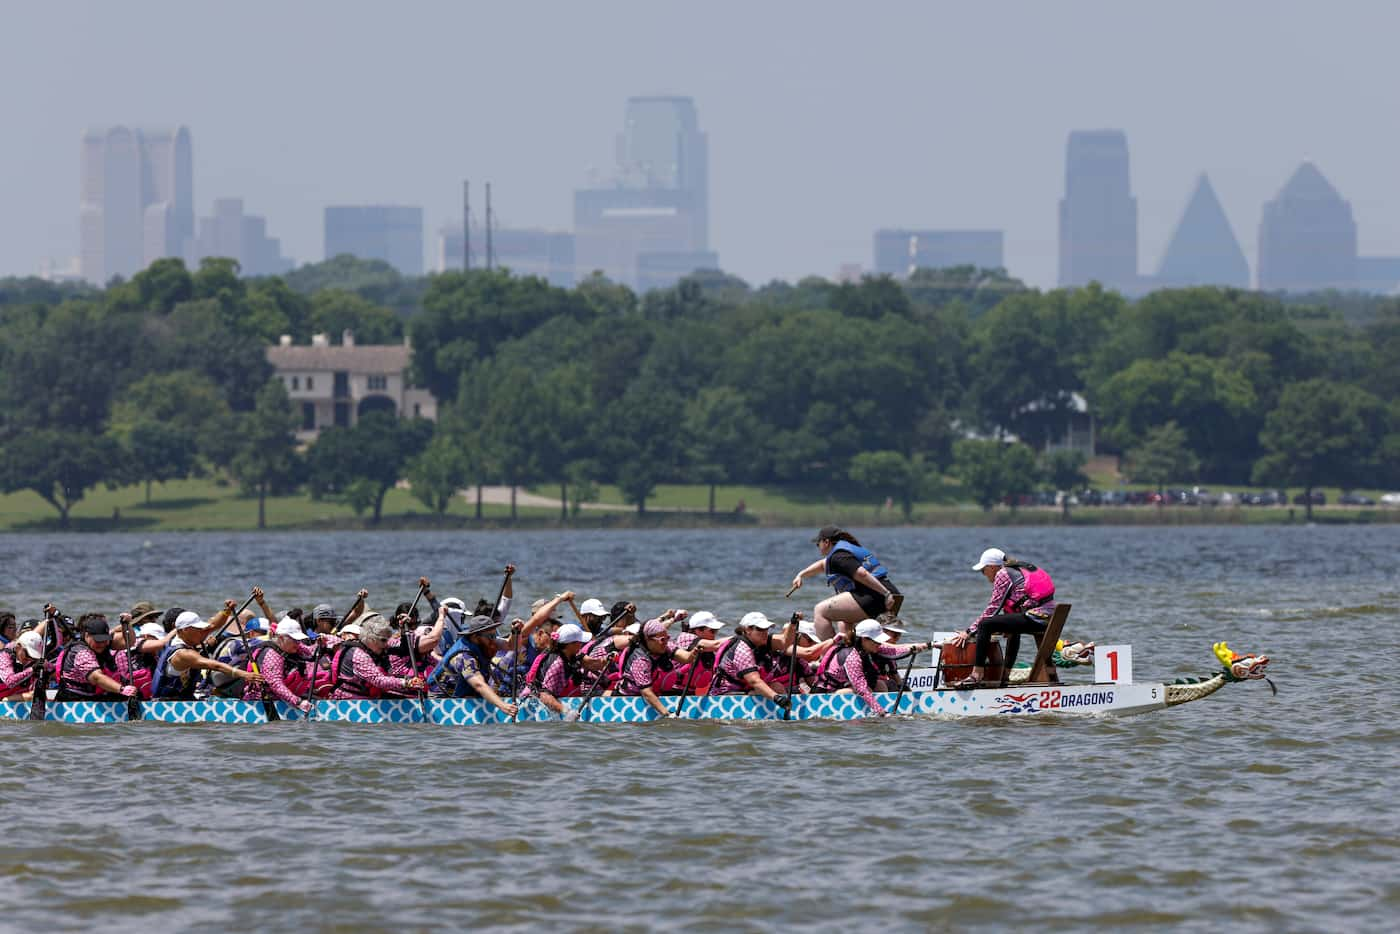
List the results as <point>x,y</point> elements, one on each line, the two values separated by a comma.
<point>857,389</point>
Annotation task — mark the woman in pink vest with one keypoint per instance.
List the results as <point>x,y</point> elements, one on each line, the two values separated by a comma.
<point>1023,599</point>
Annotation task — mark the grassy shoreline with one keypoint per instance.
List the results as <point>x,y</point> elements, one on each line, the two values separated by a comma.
<point>205,505</point>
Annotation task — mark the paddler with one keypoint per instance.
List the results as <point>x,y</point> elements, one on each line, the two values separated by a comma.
<point>360,668</point>
<point>852,668</point>
<point>1022,602</point>
<point>175,675</point>
<point>649,655</point>
<point>592,615</point>
<point>740,664</point>
<point>87,670</point>
<point>466,668</point>
<point>285,653</point>
<point>863,586</point>
<point>20,659</point>
<point>531,640</point>
<point>560,671</point>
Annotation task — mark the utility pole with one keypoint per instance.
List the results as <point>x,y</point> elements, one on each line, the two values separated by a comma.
<point>466,226</point>
<point>490,259</point>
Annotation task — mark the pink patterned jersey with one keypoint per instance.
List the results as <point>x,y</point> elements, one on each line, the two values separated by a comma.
<point>735,665</point>
<point>10,678</point>
<point>272,665</point>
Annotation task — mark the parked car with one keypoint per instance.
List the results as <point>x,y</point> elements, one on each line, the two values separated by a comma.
<point>1355,499</point>
<point>1319,498</point>
<point>1390,499</point>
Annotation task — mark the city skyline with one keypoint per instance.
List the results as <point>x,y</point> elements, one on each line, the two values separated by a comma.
<point>805,164</point>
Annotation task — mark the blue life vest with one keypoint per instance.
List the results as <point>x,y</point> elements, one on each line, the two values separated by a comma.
<point>841,583</point>
<point>460,686</point>
<point>172,686</point>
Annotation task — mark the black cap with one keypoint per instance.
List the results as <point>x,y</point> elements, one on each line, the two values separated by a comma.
<point>827,532</point>
<point>97,627</point>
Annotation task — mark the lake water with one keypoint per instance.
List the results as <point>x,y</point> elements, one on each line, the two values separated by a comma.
<point>1242,811</point>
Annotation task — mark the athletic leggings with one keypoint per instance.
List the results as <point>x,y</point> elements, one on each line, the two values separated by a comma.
<point>1013,624</point>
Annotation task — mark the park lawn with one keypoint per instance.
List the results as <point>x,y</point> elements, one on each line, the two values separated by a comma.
<point>797,503</point>
<point>195,505</point>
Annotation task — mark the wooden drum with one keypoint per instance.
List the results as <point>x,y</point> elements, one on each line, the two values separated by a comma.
<point>958,662</point>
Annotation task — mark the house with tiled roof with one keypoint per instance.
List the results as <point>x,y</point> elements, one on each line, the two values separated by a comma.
<point>337,384</point>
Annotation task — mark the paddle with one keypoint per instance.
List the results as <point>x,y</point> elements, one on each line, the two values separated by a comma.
<point>311,682</point>
<point>790,593</point>
<point>496,607</point>
<point>514,667</point>
<point>904,682</point>
<point>406,632</point>
<point>268,704</point>
<point>236,613</point>
<point>133,703</point>
<point>41,677</point>
<point>689,677</point>
<point>792,667</point>
<point>584,705</point>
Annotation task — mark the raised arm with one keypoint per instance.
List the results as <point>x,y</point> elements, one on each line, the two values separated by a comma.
<point>808,571</point>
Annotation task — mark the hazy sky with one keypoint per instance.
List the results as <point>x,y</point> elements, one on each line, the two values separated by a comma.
<point>826,120</point>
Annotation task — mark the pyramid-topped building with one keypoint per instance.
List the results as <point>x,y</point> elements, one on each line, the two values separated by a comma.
<point>1203,251</point>
<point>1307,237</point>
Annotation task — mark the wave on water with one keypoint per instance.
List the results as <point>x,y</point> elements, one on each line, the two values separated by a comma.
<point>1297,613</point>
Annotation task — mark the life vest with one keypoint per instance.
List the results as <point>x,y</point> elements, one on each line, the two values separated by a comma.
<point>26,684</point>
<point>70,689</point>
<point>293,669</point>
<point>840,582</point>
<point>343,671</point>
<point>831,671</point>
<point>173,685</point>
<point>573,674</point>
<point>726,652</point>
<point>1040,589</point>
<point>630,687</point>
<point>459,686</point>
<point>236,653</point>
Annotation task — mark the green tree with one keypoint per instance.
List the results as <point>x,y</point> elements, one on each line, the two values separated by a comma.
<point>644,439</point>
<point>60,466</point>
<point>1321,432</point>
<point>372,456</point>
<point>1162,456</point>
<point>333,312</point>
<point>157,452</point>
<point>163,285</point>
<point>723,438</point>
<point>265,460</point>
<point>184,399</point>
<point>991,471</point>
<point>1064,469</point>
<point>891,473</point>
<point>440,472</point>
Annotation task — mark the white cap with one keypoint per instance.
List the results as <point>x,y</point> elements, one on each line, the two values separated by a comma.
<point>570,632</point>
<point>286,626</point>
<point>893,627</point>
<point>593,607</point>
<point>350,629</point>
<point>632,628</point>
<point>153,630</point>
<point>454,603</point>
<point>755,621</point>
<point>187,619</point>
<point>994,557</point>
<point>32,642</point>
<point>871,629</point>
<point>705,620</point>
<point>809,629</point>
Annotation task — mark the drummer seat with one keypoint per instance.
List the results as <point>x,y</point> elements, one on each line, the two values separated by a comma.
<point>1042,672</point>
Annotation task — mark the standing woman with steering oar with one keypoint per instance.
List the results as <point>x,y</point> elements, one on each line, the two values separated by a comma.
<point>863,586</point>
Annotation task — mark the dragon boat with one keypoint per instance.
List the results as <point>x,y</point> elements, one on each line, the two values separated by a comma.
<point>1020,698</point>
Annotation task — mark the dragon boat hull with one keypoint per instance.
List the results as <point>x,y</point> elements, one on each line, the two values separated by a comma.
<point>1058,700</point>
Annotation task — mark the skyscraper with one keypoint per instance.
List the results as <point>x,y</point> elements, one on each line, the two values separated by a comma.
<point>548,254</point>
<point>136,201</point>
<point>243,237</point>
<point>1098,214</point>
<point>1307,237</point>
<point>655,213</point>
<point>391,233</point>
<point>1203,251</point>
<point>899,252</point>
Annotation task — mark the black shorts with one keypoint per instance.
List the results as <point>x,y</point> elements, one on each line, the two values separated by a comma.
<point>873,604</point>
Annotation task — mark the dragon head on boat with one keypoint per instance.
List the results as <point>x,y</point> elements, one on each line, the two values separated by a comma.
<point>1071,654</point>
<point>1241,667</point>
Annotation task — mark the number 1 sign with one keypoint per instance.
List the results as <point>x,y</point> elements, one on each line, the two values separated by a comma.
<point>1113,664</point>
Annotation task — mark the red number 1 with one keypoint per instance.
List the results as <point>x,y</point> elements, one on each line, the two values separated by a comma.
<point>1112,665</point>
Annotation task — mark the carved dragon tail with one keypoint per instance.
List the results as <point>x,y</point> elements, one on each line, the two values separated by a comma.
<point>1234,667</point>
